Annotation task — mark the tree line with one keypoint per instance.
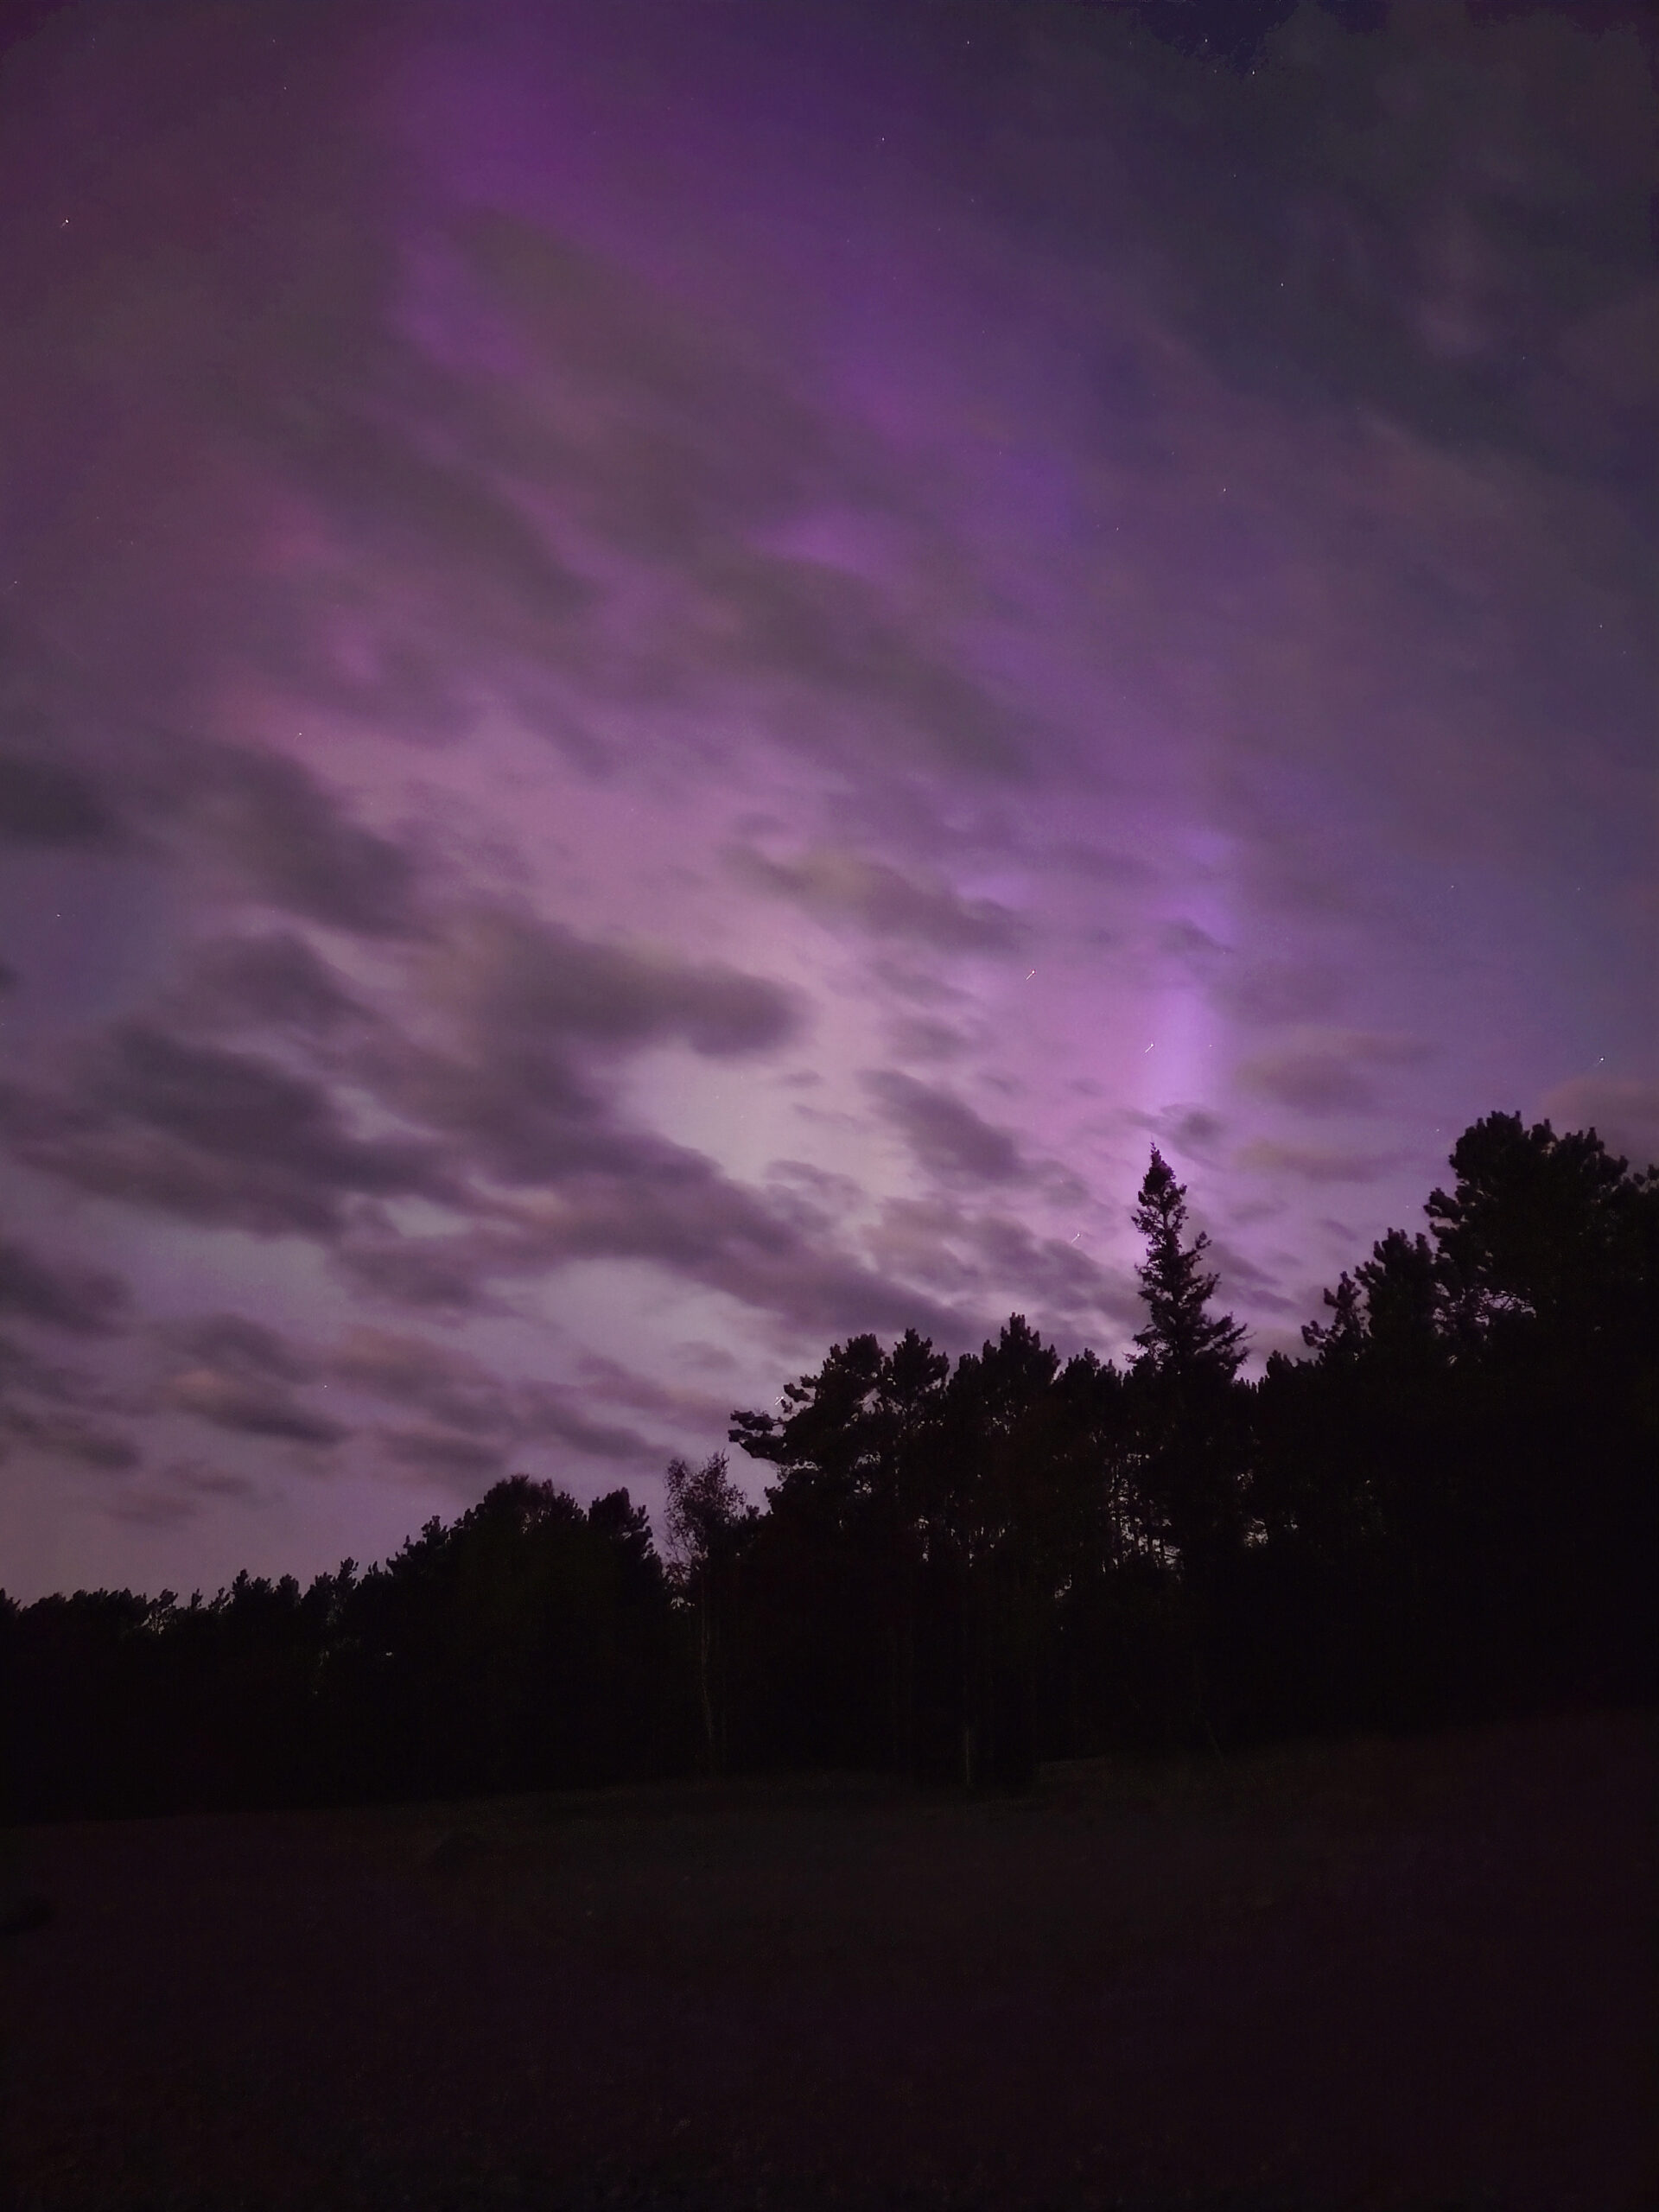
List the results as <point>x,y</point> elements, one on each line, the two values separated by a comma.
<point>1448,1508</point>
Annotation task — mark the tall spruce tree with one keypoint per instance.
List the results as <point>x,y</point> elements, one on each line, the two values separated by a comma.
<point>1182,1339</point>
<point>1191,1418</point>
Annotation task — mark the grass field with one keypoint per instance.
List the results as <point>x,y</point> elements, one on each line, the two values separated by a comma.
<point>1376,1974</point>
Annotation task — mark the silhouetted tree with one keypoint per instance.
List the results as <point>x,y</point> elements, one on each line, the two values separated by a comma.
<point>854,1552</point>
<point>1011,1517</point>
<point>1182,1337</point>
<point>1190,1416</point>
<point>1539,1229</point>
<point>1550,1244</point>
<point>706,1521</point>
<point>1189,1412</point>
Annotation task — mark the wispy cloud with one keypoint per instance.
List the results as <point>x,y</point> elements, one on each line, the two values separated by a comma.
<point>843,888</point>
<point>1313,1163</point>
<point>1329,1071</point>
<point>947,1136</point>
<point>86,1301</point>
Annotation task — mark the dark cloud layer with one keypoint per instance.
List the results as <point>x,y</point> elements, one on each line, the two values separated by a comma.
<point>275,981</point>
<point>257,825</point>
<point>241,1376</point>
<point>249,1409</point>
<point>947,1136</point>
<point>44,802</point>
<point>58,1410</point>
<point>235,1345</point>
<point>1329,1073</point>
<point>242,1139</point>
<point>522,976</point>
<point>979,1261</point>
<point>86,1301</point>
<point>1313,1163</point>
<point>229,1139</point>
<point>841,886</point>
<point>296,844</point>
<point>474,1420</point>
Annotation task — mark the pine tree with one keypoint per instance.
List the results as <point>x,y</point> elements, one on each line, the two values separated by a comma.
<point>1190,1416</point>
<point>1339,1341</point>
<point>1181,1338</point>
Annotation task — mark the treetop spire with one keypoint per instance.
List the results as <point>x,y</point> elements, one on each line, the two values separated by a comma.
<point>1181,1336</point>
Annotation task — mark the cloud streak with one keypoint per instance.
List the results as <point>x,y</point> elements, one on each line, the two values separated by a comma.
<point>1329,1072</point>
<point>948,1138</point>
<point>842,888</point>
<point>85,1301</point>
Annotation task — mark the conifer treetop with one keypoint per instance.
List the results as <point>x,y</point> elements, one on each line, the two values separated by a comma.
<point>1181,1336</point>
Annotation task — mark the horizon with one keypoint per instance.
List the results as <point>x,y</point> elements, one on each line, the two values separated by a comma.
<point>672,679</point>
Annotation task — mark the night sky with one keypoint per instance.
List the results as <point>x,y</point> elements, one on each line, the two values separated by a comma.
<point>671,676</point>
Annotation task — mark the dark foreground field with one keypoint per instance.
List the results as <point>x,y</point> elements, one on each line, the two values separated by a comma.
<point>1374,1974</point>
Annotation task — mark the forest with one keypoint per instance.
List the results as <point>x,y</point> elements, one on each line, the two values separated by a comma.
<point>1444,1512</point>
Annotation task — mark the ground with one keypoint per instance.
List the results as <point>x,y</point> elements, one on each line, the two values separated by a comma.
<point>1376,1974</point>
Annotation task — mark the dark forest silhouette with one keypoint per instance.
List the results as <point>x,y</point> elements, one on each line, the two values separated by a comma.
<point>1446,1512</point>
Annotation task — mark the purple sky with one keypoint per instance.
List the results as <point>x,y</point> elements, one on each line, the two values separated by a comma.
<point>670,676</point>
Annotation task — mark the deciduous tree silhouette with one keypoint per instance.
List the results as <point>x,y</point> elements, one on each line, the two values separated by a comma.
<point>706,1520</point>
